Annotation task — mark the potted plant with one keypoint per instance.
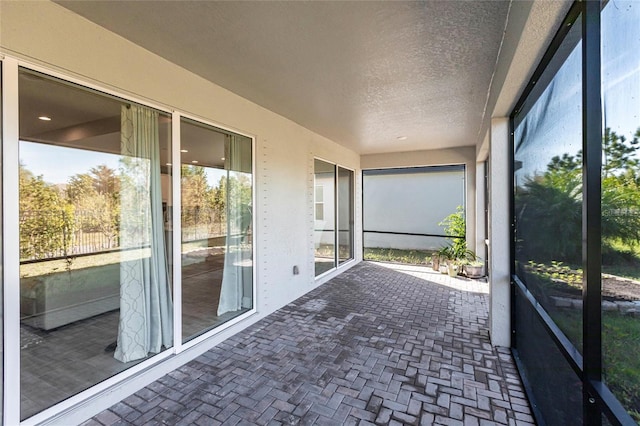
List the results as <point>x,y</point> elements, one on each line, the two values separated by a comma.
<point>453,268</point>
<point>435,262</point>
<point>444,256</point>
<point>474,268</point>
<point>457,253</point>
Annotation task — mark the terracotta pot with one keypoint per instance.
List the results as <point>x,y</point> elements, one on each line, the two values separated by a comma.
<point>435,265</point>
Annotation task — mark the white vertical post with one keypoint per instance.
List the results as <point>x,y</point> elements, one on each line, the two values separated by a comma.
<point>499,232</point>
<point>11,243</point>
<point>176,228</point>
<point>481,233</point>
<point>470,203</point>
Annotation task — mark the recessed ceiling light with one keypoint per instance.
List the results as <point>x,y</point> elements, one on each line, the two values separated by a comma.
<point>44,118</point>
<point>223,158</point>
<point>169,164</point>
<point>194,161</point>
<point>184,150</point>
<point>402,138</point>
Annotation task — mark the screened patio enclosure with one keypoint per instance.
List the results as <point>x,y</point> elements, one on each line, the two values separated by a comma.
<point>165,190</point>
<point>403,208</point>
<point>576,280</point>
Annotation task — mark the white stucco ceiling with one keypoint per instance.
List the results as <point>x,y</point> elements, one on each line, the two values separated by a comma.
<point>360,73</point>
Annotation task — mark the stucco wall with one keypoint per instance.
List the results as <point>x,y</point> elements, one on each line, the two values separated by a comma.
<point>47,34</point>
<point>410,202</point>
<point>440,157</point>
<point>50,37</point>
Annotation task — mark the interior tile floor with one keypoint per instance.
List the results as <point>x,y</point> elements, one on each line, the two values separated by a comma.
<point>379,344</point>
<point>59,363</point>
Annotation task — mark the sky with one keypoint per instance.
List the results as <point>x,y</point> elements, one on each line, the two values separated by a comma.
<point>57,164</point>
<point>555,122</point>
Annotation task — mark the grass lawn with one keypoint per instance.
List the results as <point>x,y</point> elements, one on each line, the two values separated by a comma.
<point>60,265</point>
<point>413,257</point>
<point>620,349</point>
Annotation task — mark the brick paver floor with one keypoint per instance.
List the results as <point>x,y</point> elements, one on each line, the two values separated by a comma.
<point>379,344</point>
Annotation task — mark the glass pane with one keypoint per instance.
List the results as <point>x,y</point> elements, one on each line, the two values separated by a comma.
<point>345,215</point>
<point>93,240</point>
<point>324,228</point>
<point>557,390</point>
<point>548,189</point>
<point>621,202</point>
<point>217,234</point>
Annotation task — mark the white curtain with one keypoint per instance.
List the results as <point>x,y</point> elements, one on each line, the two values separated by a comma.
<point>146,317</point>
<point>236,275</point>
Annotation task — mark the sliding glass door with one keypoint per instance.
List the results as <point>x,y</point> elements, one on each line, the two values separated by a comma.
<point>345,215</point>
<point>333,215</point>
<point>325,216</point>
<point>95,287</point>
<point>217,231</point>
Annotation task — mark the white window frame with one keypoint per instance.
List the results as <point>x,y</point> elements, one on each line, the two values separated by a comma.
<point>148,370</point>
<point>337,264</point>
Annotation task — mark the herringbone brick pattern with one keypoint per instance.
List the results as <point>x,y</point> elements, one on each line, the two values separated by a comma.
<point>379,345</point>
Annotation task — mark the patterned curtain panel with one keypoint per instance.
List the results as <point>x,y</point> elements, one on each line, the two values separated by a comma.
<point>237,273</point>
<point>146,317</point>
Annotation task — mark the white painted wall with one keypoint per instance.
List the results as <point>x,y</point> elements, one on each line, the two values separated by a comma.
<point>410,203</point>
<point>53,38</point>
<point>440,157</point>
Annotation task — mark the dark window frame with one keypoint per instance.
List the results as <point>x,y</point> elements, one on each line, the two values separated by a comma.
<point>598,400</point>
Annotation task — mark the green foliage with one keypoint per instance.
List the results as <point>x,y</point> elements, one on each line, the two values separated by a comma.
<point>556,272</point>
<point>412,257</point>
<point>621,344</point>
<point>92,203</point>
<point>197,196</point>
<point>96,199</point>
<point>46,220</point>
<point>455,226</point>
<point>549,206</point>
<point>549,214</point>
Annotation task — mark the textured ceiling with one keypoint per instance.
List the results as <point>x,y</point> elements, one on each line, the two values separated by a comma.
<point>360,73</point>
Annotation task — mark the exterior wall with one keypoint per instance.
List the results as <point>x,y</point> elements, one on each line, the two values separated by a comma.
<point>53,39</point>
<point>441,157</point>
<point>411,203</point>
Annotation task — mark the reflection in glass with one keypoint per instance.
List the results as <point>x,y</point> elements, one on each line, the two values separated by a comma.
<point>324,229</point>
<point>345,215</point>
<point>217,237</point>
<point>548,189</point>
<point>621,202</point>
<point>95,290</point>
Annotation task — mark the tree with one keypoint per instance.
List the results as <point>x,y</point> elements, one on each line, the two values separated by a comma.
<point>105,180</point>
<point>549,206</point>
<point>96,199</point>
<point>196,199</point>
<point>46,220</point>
